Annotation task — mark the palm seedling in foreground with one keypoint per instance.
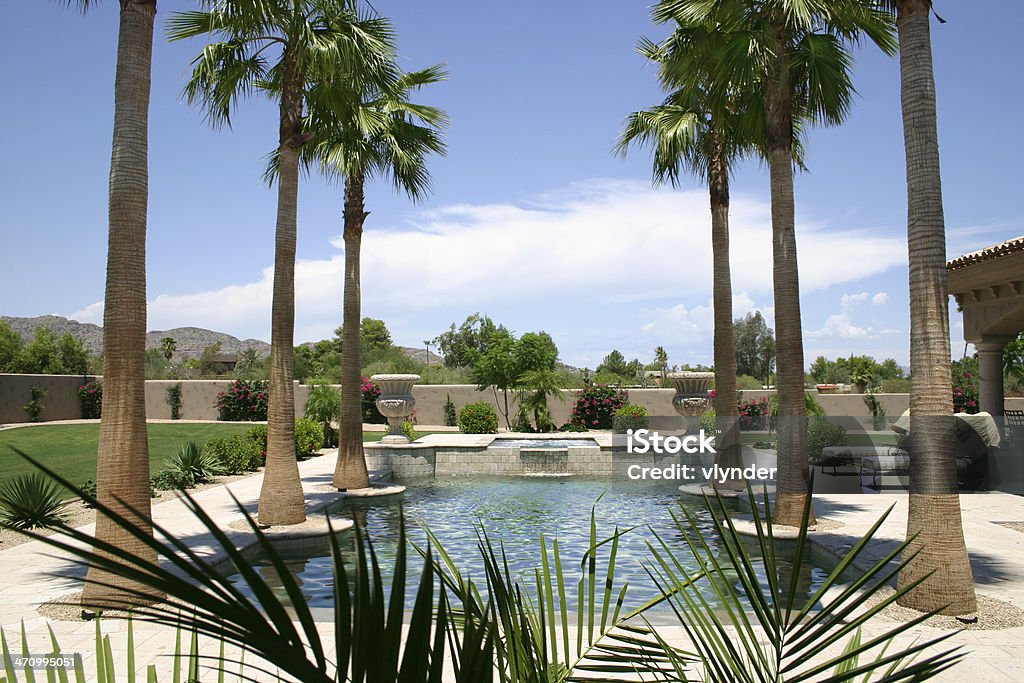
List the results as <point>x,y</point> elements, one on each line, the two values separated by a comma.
<point>365,128</point>
<point>700,130</point>
<point>934,525</point>
<point>272,47</point>
<point>796,53</point>
<point>122,457</point>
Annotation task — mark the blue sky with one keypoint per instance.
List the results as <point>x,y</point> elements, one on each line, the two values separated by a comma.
<point>532,220</point>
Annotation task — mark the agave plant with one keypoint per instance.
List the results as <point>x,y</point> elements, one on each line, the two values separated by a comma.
<point>193,463</point>
<point>370,643</point>
<point>762,634</point>
<point>31,500</point>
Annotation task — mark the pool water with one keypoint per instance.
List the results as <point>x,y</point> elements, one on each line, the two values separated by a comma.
<point>542,443</point>
<point>516,512</point>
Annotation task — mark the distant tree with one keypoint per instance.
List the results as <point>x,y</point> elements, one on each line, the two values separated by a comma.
<point>614,363</point>
<point>373,334</point>
<point>207,359</point>
<point>48,354</point>
<point>10,348</point>
<point>1013,358</point>
<point>497,367</point>
<point>458,345</point>
<point>248,361</point>
<point>168,346</point>
<point>661,360</point>
<point>535,351</point>
<point>755,346</point>
<point>155,364</point>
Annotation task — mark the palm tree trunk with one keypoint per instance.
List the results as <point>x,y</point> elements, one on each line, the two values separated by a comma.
<point>350,471</point>
<point>934,526</point>
<point>793,471</point>
<point>726,409</point>
<point>122,458</point>
<point>281,498</point>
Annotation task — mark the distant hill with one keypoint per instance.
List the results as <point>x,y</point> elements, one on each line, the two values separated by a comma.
<point>190,340</point>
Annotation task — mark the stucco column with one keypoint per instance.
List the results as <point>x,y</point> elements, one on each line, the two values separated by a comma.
<point>990,377</point>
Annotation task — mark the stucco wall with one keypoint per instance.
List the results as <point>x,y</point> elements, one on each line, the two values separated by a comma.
<point>60,402</point>
<point>199,400</point>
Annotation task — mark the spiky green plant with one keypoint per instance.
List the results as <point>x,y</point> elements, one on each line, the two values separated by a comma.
<point>759,633</point>
<point>369,639</point>
<point>191,461</point>
<point>29,501</point>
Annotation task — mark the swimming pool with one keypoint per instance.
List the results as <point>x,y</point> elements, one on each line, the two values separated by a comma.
<point>516,511</point>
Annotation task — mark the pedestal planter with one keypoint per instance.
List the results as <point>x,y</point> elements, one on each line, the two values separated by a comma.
<point>395,403</point>
<point>691,398</point>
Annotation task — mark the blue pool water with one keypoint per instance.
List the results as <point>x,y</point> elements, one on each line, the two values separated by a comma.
<point>516,512</point>
<point>542,443</point>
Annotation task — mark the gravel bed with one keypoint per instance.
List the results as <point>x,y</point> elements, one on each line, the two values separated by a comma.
<point>992,615</point>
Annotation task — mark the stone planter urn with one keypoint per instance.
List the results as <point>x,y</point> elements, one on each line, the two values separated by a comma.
<point>395,403</point>
<point>691,398</point>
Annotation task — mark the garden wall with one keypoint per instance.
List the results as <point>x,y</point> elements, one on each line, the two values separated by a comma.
<point>199,398</point>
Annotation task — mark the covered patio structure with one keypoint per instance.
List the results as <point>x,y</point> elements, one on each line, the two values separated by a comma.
<point>988,286</point>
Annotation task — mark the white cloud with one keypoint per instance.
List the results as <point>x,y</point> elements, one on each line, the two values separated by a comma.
<point>600,244</point>
<point>879,299</point>
<point>850,300</point>
<point>839,325</point>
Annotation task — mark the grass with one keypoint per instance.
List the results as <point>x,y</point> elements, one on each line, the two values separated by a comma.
<point>852,438</point>
<point>71,449</point>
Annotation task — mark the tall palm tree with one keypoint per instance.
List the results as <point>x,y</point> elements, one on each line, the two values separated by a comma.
<point>934,526</point>
<point>122,457</point>
<point>798,53</point>
<point>702,129</point>
<point>368,127</point>
<point>271,46</point>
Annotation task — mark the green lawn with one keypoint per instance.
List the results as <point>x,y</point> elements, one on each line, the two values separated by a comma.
<point>852,438</point>
<point>71,449</point>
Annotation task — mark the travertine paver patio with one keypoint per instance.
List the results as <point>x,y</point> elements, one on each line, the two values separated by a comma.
<point>997,555</point>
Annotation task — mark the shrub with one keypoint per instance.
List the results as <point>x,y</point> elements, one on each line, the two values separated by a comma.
<point>570,427</point>
<point>174,400</point>
<point>409,429</point>
<point>629,417</point>
<point>31,500</point>
<point>747,382</point>
<point>707,421</point>
<point>820,434</point>
<point>90,398</point>
<point>596,405</point>
<point>754,413</point>
<point>451,418</point>
<point>478,418</point>
<point>370,392</point>
<point>34,407</point>
<point>88,489</point>
<point>244,401</point>
<point>308,437</point>
<point>169,480</point>
<point>237,454</point>
<point>965,389</point>
<point>523,423</point>
<point>195,463</point>
<point>323,406</point>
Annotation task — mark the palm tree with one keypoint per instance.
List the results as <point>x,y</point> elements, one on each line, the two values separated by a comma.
<point>271,46</point>
<point>703,130</point>
<point>248,360</point>
<point>537,387</point>
<point>934,525</point>
<point>368,127</point>
<point>167,347</point>
<point>122,457</point>
<point>797,53</point>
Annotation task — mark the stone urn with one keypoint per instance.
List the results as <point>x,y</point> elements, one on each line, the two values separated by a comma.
<point>691,398</point>
<point>395,403</point>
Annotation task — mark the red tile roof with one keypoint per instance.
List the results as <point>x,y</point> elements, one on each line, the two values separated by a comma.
<point>987,254</point>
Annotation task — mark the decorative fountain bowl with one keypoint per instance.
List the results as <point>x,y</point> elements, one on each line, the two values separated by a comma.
<point>691,398</point>
<point>395,403</point>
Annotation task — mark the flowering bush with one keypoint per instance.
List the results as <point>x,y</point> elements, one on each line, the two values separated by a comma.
<point>370,392</point>
<point>629,417</point>
<point>965,387</point>
<point>754,413</point>
<point>478,418</point>
<point>595,406</point>
<point>90,397</point>
<point>244,401</point>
